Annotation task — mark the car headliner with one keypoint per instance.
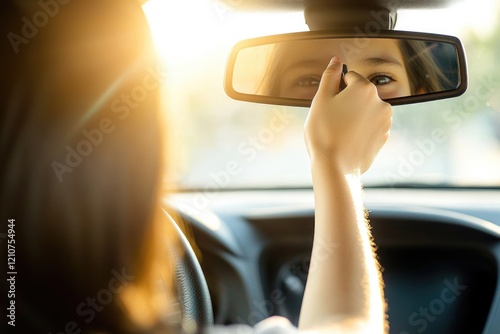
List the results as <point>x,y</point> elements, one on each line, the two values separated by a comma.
<point>294,5</point>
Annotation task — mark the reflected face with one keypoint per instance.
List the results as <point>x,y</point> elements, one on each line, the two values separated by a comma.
<point>380,61</point>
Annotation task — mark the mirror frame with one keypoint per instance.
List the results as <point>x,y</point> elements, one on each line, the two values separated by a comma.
<point>324,34</point>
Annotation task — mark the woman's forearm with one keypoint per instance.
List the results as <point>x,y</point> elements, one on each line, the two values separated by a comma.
<point>344,132</point>
<point>344,286</point>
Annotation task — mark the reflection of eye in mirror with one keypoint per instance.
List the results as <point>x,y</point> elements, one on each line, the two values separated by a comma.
<point>398,67</point>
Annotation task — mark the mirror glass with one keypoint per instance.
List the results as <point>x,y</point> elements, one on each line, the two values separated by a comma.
<point>398,67</point>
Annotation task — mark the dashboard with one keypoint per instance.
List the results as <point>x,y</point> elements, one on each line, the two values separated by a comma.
<point>439,249</point>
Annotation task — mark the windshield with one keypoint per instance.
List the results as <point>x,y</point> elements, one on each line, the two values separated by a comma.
<point>218,143</point>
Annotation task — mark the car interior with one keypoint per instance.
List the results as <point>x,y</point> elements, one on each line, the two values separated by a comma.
<point>239,77</point>
<point>432,195</point>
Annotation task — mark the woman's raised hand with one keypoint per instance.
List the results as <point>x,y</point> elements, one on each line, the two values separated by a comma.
<point>346,128</point>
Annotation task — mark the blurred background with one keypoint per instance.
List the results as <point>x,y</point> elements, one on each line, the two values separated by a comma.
<point>218,143</point>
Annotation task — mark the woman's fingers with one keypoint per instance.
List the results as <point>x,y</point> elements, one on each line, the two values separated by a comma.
<point>330,80</point>
<point>352,77</point>
<point>348,127</point>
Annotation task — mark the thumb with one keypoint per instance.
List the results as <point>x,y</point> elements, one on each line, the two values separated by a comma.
<point>351,77</point>
<point>330,80</point>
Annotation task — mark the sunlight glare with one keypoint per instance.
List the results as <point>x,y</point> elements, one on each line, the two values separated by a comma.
<point>182,30</point>
<point>478,16</point>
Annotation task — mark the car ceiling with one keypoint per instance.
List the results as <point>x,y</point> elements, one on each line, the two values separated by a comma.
<point>294,5</point>
<point>338,14</point>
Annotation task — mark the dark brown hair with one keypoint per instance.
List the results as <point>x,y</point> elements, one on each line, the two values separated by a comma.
<point>82,148</point>
<point>422,70</point>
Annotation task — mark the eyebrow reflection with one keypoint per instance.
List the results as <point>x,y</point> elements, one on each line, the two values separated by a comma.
<point>305,64</point>
<point>381,61</point>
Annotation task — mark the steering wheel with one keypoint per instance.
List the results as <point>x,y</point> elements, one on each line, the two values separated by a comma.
<point>192,288</point>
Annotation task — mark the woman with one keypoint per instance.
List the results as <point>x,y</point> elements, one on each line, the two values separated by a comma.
<point>397,67</point>
<point>82,159</point>
<point>82,149</point>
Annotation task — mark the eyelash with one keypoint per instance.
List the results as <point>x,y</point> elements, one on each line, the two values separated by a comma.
<point>317,80</point>
<point>307,77</point>
<point>387,75</point>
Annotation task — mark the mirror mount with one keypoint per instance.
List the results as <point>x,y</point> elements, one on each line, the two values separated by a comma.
<point>358,16</point>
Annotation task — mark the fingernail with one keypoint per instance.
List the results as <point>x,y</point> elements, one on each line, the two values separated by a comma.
<point>334,61</point>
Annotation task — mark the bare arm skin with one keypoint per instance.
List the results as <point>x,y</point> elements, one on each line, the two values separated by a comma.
<point>344,132</point>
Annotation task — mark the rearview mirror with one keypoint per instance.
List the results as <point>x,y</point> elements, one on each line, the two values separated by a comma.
<point>406,67</point>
